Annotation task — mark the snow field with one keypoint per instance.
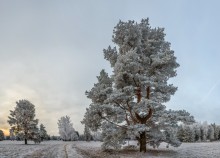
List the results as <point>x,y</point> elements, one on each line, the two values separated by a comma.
<point>82,149</point>
<point>47,149</point>
<point>186,150</point>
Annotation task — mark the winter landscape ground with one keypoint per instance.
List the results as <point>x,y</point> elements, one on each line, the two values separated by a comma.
<point>82,149</point>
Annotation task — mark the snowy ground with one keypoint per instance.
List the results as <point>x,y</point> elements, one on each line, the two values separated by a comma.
<point>186,150</point>
<point>80,149</point>
<point>47,149</point>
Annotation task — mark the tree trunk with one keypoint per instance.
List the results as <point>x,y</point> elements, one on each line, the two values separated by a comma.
<point>25,141</point>
<point>142,138</point>
<point>142,142</point>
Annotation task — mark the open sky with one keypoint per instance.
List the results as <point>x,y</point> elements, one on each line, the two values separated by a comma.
<point>51,53</point>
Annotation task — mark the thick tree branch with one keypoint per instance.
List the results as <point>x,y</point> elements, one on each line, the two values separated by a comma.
<point>132,117</point>
<point>143,120</point>
<point>126,118</point>
<point>104,118</point>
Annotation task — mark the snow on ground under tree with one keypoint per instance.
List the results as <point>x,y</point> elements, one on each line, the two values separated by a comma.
<point>81,149</point>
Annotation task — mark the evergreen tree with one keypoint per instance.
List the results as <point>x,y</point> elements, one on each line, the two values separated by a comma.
<point>186,134</point>
<point>87,134</point>
<point>190,134</point>
<point>216,131</point>
<point>180,133</point>
<point>43,132</point>
<point>211,133</point>
<point>204,131</point>
<point>22,120</point>
<point>219,133</point>
<point>36,137</point>
<point>197,131</point>
<point>2,137</point>
<point>131,101</point>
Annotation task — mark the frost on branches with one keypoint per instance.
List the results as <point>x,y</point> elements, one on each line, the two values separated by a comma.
<point>130,103</point>
<point>66,130</point>
<point>22,120</point>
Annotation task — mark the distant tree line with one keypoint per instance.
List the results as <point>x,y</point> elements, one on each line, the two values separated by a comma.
<point>199,132</point>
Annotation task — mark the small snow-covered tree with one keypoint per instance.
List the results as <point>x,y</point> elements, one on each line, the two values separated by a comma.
<point>66,130</point>
<point>12,134</point>
<point>36,137</point>
<point>211,133</point>
<point>186,133</point>
<point>197,131</point>
<point>22,120</point>
<point>189,135</point>
<point>2,137</point>
<point>204,131</point>
<point>42,132</point>
<point>87,134</point>
<point>217,132</point>
<point>131,101</point>
<point>180,133</point>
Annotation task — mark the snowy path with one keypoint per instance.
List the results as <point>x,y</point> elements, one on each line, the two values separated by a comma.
<point>49,149</point>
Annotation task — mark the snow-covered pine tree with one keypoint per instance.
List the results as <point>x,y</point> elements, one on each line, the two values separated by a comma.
<point>2,136</point>
<point>189,134</point>
<point>211,133</point>
<point>42,132</point>
<point>204,131</point>
<point>180,133</point>
<point>186,133</point>
<point>130,102</point>
<point>217,132</point>
<point>22,120</point>
<point>36,137</point>
<point>87,134</point>
<point>197,131</point>
<point>66,130</point>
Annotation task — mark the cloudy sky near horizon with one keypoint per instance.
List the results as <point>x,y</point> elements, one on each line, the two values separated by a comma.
<point>51,53</point>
